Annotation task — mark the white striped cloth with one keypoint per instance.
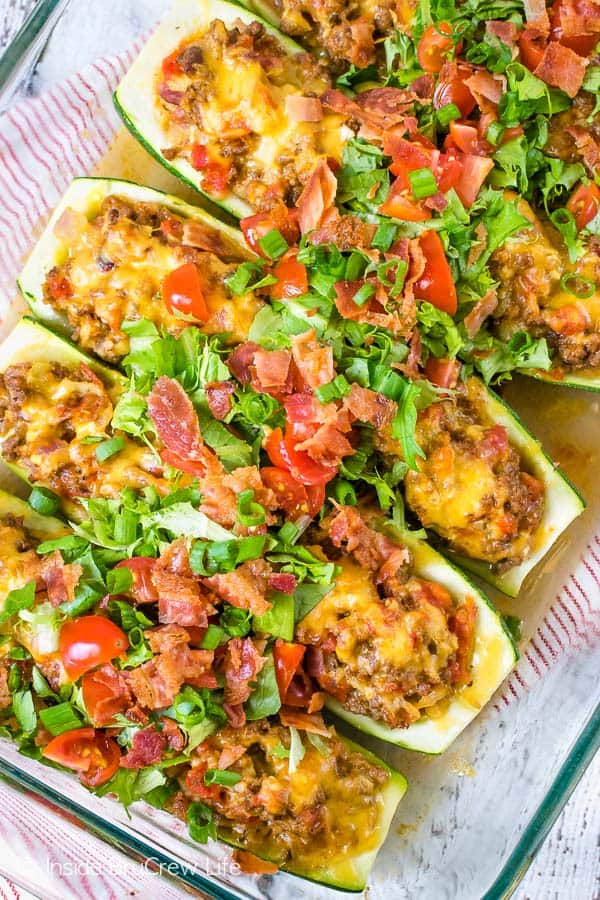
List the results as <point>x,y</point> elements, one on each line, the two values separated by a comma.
<point>44,142</point>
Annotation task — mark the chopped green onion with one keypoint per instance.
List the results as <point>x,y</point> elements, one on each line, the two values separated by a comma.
<point>44,502</point>
<point>200,822</point>
<point>213,637</point>
<point>364,293</point>
<point>288,534</point>
<point>136,637</point>
<point>236,622</point>
<point>250,513</point>
<point>222,777</point>
<point>108,448</point>
<point>251,547</point>
<point>422,183</point>
<point>273,244</point>
<point>582,288</point>
<point>125,526</point>
<point>239,282</point>
<point>24,710</point>
<point>494,133</point>
<point>401,268</point>
<point>14,679</point>
<point>68,542</point>
<point>57,719</point>
<point>385,236</point>
<point>355,266</point>
<point>333,390</point>
<point>19,653</point>
<point>447,114</point>
<point>257,408</point>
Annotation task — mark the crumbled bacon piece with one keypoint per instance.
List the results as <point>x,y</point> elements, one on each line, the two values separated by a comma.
<point>327,446</point>
<point>242,663</point>
<point>563,68</point>
<point>218,397</point>
<point>271,369</point>
<point>317,198</point>
<point>147,748</point>
<point>241,359</point>
<point>314,362</point>
<point>283,581</point>
<point>305,721</point>
<point>369,406</point>
<point>370,548</point>
<point>59,578</point>
<point>245,587</point>
<point>177,426</point>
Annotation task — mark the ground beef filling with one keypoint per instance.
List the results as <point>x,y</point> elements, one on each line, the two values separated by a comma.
<point>323,810</point>
<point>388,657</point>
<point>471,489</point>
<point>223,100</point>
<point>529,268</point>
<point>116,266</point>
<point>47,411</point>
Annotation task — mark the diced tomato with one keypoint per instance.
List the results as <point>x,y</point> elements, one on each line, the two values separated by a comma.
<point>436,284</point>
<point>399,205</point>
<point>583,43</point>
<point>584,203</point>
<point>215,179</point>
<point>292,279</point>
<point>408,156</point>
<point>100,696</point>
<point>91,753</point>
<point>442,372</point>
<point>294,498</point>
<point>316,497</point>
<point>454,90</point>
<point>58,286</point>
<point>531,47</point>
<point>141,567</point>
<point>568,319</point>
<point>434,46</point>
<point>448,171</point>
<point>199,156</point>
<point>88,642</point>
<point>182,291</point>
<point>282,453</point>
<point>257,226</point>
<point>287,658</point>
<point>463,136</point>
<point>170,66</point>
<point>475,170</point>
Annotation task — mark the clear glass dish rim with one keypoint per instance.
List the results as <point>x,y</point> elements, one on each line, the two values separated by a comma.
<point>577,760</point>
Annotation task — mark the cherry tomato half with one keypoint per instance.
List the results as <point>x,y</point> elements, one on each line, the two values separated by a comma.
<point>292,280</point>
<point>91,753</point>
<point>282,452</point>
<point>89,642</point>
<point>294,498</point>
<point>102,696</point>
<point>434,45</point>
<point>182,291</point>
<point>584,203</point>
<point>436,284</point>
<point>399,205</point>
<point>531,47</point>
<point>454,90</point>
<point>287,658</point>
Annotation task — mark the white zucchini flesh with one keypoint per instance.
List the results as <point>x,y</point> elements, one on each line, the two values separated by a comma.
<point>494,656</point>
<point>85,195</point>
<point>135,97</point>
<point>562,502</point>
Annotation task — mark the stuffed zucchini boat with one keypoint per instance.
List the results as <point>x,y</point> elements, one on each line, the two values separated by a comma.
<point>404,646</point>
<point>114,251</point>
<point>544,294</point>
<point>323,818</point>
<point>230,105</point>
<point>56,406</point>
<point>21,530</point>
<point>485,489</point>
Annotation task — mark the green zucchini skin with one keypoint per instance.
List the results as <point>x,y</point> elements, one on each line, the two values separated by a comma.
<point>494,657</point>
<point>563,503</point>
<point>583,380</point>
<point>134,97</point>
<point>85,195</point>
<point>350,874</point>
<point>44,527</point>
<point>31,340</point>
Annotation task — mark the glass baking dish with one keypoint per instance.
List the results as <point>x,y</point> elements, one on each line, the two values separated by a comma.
<point>474,817</point>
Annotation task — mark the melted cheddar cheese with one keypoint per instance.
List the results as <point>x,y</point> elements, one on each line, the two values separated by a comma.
<point>19,562</point>
<point>111,270</point>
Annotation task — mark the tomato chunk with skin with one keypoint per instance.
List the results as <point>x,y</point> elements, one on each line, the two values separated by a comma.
<point>182,292</point>
<point>287,658</point>
<point>434,45</point>
<point>91,753</point>
<point>436,284</point>
<point>584,204</point>
<point>292,278</point>
<point>88,642</point>
<point>281,449</point>
<point>294,498</point>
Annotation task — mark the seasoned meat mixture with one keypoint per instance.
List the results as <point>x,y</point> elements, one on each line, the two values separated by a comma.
<point>471,488</point>
<point>317,813</point>
<point>47,411</point>
<point>531,268</point>
<point>115,269</point>
<point>227,97</point>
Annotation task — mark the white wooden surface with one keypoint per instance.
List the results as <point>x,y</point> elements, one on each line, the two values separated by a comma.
<point>568,865</point>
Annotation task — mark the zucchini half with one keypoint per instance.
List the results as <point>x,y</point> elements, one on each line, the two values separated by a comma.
<point>351,871</point>
<point>30,340</point>
<point>42,527</point>
<point>563,503</point>
<point>494,656</point>
<point>582,379</point>
<point>135,100</point>
<point>86,195</point>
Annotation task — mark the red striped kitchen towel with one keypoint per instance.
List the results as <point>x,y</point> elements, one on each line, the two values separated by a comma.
<point>44,142</point>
